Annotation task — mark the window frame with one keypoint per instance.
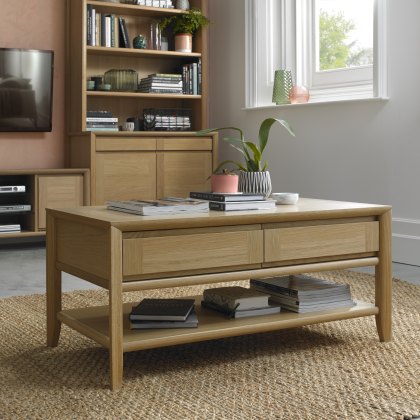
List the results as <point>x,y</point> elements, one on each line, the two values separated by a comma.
<point>296,54</point>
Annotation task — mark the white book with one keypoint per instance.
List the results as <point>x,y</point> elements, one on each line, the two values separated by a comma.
<point>107,31</point>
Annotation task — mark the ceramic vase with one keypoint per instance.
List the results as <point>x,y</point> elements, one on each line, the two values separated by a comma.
<point>183,4</point>
<point>282,86</point>
<point>255,183</point>
<point>222,183</point>
<point>183,43</point>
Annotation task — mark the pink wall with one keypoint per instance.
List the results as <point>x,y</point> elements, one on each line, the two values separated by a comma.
<point>37,24</point>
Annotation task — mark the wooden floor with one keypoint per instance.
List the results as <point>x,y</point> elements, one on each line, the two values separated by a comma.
<point>22,271</point>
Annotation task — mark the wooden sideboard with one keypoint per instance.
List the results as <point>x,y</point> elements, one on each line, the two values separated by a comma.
<point>122,252</point>
<point>146,165</point>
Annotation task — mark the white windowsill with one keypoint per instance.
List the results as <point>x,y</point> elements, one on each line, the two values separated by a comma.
<point>319,102</point>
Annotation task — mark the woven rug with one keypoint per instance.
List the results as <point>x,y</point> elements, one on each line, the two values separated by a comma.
<point>334,370</point>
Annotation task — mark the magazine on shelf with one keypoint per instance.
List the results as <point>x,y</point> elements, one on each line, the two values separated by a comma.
<point>151,309</point>
<point>166,205</point>
<point>190,322</point>
<point>243,205</point>
<point>224,197</point>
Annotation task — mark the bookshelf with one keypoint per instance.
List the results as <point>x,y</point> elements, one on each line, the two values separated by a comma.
<point>84,61</point>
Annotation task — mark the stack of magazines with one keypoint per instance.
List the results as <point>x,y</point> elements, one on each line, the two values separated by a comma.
<point>166,205</point>
<point>235,201</point>
<point>300,293</point>
<point>238,302</point>
<point>101,121</point>
<point>163,313</point>
<point>161,83</point>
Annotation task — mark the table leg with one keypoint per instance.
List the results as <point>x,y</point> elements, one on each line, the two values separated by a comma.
<point>116,311</point>
<point>53,286</point>
<point>383,279</point>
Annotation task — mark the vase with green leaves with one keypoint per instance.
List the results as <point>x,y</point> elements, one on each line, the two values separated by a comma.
<point>253,174</point>
<point>184,26</point>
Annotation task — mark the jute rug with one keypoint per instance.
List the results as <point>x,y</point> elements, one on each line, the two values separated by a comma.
<point>328,371</point>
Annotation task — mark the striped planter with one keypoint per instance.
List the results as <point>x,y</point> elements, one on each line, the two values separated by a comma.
<point>255,182</point>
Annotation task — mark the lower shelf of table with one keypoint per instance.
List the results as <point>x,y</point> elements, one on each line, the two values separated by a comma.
<point>93,323</point>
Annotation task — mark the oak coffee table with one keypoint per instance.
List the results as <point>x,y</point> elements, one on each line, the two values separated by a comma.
<point>122,252</point>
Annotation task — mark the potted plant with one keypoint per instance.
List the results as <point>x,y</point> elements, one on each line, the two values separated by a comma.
<point>225,181</point>
<point>184,26</point>
<point>254,177</point>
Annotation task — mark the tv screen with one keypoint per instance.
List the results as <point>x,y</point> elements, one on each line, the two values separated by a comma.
<point>26,87</point>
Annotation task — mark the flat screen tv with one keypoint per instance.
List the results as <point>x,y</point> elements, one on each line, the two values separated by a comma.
<point>26,89</point>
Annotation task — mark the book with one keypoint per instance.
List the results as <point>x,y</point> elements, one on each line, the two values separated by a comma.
<point>166,205</point>
<point>223,197</point>
<point>124,40</point>
<point>299,285</point>
<point>190,322</point>
<point>300,293</point>
<point>102,119</point>
<point>150,309</point>
<point>236,297</point>
<point>268,310</point>
<point>10,228</point>
<point>242,205</point>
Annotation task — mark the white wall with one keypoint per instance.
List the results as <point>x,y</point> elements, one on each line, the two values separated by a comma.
<point>359,151</point>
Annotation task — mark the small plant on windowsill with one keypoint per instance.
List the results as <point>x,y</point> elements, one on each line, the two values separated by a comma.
<point>254,176</point>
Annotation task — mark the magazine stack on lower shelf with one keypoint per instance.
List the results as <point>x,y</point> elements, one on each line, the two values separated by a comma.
<point>235,201</point>
<point>238,302</point>
<point>300,293</point>
<point>163,313</point>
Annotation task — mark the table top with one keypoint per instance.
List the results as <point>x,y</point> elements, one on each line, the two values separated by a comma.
<point>305,209</point>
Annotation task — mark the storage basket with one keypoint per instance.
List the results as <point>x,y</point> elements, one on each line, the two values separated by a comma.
<point>167,119</point>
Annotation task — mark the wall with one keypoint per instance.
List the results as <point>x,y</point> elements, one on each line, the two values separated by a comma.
<point>359,151</point>
<point>37,24</point>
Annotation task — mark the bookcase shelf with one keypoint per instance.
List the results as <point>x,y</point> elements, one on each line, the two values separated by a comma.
<point>85,61</point>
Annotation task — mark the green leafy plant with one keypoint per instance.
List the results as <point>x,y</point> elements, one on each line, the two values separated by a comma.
<point>186,23</point>
<point>251,152</point>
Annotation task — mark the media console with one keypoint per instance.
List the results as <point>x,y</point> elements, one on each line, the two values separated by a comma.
<point>122,252</point>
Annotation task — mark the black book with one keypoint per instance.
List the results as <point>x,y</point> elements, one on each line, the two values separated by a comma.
<point>223,197</point>
<point>124,42</point>
<point>190,322</point>
<point>150,309</point>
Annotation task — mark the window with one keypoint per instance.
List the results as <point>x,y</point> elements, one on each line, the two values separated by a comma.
<point>336,48</point>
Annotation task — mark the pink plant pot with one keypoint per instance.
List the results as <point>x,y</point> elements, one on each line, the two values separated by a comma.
<point>224,183</point>
<point>183,43</point>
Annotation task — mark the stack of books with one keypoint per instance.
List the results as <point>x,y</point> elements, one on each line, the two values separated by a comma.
<point>101,121</point>
<point>191,77</point>
<point>166,205</point>
<point>161,83</point>
<point>163,313</point>
<point>300,293</point>
<point>238,302</point>
<point>167,4</point>
<point>235,201</point>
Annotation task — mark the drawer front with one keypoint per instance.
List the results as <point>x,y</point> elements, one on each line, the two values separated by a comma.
<point>104,144</point>
<point>293,243</point>
<point>184,143</point>
<point>191,252</point>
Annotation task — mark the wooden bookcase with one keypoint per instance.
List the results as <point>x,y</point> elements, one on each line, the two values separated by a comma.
<point>44,188</point>
<point>85,61</point>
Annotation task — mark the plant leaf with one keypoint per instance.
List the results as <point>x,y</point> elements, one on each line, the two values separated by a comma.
<point>265,130</point>
<point>233,162</point>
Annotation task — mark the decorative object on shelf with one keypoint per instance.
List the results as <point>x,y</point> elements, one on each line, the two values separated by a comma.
<point>164,44</point>
<point>128,126</point>
<point>97,81</point>
<point>155,36</point>
<point>183,4</point>
<point>282,86</point>
<point>226,182</point>
<point>252,153</point>
<point>299,95</point>
<point>90,85</point>
<point>122,80</point>
<point>105,87</point>
<point>140,42</point>
<point>184,26</point>
<point>285,197</point>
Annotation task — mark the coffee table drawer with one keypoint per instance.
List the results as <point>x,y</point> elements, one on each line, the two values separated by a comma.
<point>293,243</point>
<point>171,253</point>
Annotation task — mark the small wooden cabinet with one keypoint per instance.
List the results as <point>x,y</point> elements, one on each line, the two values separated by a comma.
<point>144,165</point>
<point>43,188</point>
